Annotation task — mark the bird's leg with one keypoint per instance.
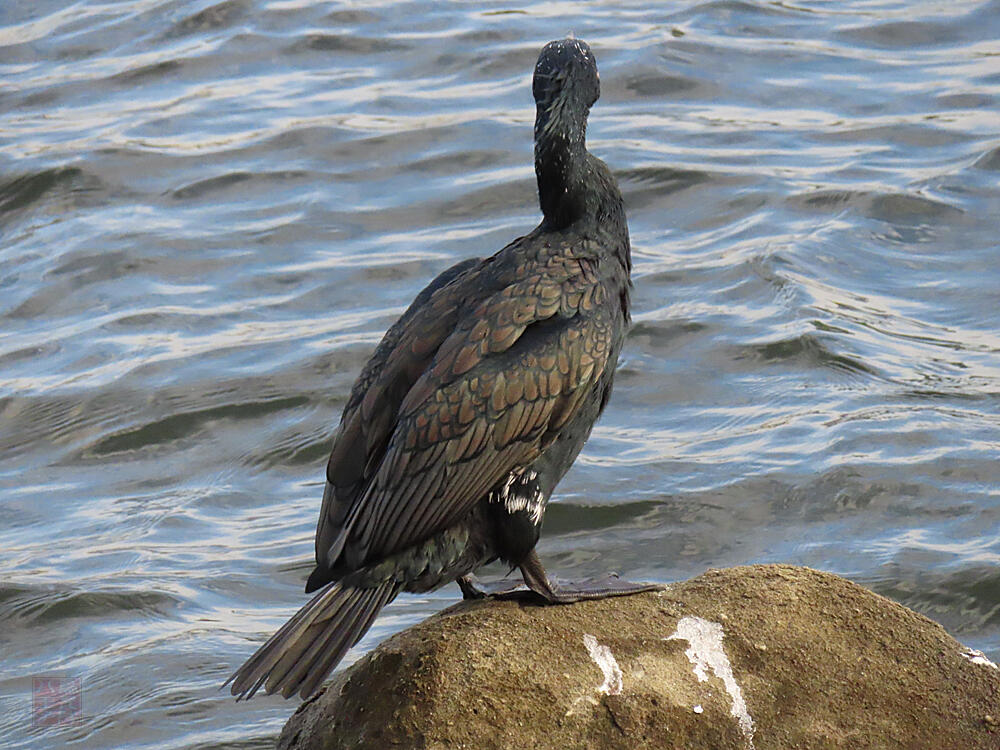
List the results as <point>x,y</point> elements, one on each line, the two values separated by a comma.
<point>539,582</point>
<point>473,588</point>
<point>469,588</point>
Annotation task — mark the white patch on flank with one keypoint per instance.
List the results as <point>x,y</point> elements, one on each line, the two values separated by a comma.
<point>978,657</point>
<point>698,709</point>
<point>513,501</point>
<point>705,652</point>
<point>603,657</point>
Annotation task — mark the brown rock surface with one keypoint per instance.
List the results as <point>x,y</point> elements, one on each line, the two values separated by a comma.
<point>818,661</point>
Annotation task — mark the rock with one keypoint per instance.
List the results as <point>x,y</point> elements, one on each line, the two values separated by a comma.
<point>768,656</point>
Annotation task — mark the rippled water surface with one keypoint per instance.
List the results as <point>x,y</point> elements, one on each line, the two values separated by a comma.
<point>210,213</point>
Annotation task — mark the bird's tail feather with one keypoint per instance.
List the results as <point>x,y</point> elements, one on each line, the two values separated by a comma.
<point>312,642</point>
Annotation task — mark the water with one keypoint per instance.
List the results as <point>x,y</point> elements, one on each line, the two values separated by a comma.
<point>210,213</point>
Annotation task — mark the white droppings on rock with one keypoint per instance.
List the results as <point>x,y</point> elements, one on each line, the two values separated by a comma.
<point>978,657</point>
<point>705,652</point>
<point>604,659</point>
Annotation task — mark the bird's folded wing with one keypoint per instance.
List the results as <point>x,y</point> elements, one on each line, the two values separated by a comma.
<point>498,391</point>
<point>370,415</point>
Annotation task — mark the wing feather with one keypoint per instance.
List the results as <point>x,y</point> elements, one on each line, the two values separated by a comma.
<point>502,436</point>
<point>458,398</point>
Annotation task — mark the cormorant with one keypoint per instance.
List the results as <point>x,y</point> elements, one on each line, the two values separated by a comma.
<point>473,406</point>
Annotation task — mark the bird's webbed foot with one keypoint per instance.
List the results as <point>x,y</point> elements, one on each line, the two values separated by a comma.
<point>566,593</point>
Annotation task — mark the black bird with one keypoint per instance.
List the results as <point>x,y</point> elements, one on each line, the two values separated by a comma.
<point>474,405</point>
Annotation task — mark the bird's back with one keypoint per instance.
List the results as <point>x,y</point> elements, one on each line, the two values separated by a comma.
<point>518,334</point>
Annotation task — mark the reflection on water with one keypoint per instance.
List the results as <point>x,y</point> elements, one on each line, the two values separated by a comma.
<point>211,212</point>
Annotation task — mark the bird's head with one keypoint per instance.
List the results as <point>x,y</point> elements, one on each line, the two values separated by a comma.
<point>565,86</point>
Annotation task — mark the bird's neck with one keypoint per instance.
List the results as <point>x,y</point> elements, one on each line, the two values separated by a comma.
<point>574,186</point>
<point>561,166</point>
